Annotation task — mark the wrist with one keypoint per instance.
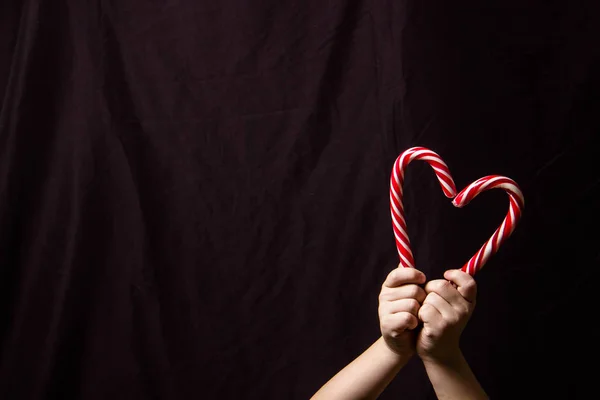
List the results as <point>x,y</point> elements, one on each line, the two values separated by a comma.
<point>394,353</point>
<point>450,359</point>
<point>452,377</point>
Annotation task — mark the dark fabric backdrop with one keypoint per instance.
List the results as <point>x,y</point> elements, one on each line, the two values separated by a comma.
<point>194,194</point>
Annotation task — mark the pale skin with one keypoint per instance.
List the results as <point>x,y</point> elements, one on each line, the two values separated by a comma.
<point>442,307</point>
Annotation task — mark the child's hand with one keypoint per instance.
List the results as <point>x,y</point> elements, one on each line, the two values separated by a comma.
<point>399,303</point>
<point>445,313</point>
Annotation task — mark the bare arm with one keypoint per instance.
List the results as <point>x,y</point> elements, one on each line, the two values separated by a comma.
<point>370,373</point>
<point>454,379</point>
<point>365,377</point>
<point>445,313</point>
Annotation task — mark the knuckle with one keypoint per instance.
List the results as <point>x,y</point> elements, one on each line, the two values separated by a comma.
<point>470,287</point>
<point>395,333</point>
<point>404,318</point>
<point>470,284</point>
<point>414,291</point>
<point>454,320</point>
<point>403,322</point>
<point>445,285</point>
<point>424,311</point>
<point>413,305</point>
<point>430,333</point>
<point>430,296</point>
<point>461,312</point>
<point>420,314</point>
<point>435,285</point>
<point>444,325</point>
<point>466,311</point>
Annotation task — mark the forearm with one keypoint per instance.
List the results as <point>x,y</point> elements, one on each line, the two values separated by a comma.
<point>365,377</point>
<point>454,379</point>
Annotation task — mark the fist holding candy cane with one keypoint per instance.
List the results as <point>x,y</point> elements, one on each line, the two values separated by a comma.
<point>449,302</point>
<point>427,318</point>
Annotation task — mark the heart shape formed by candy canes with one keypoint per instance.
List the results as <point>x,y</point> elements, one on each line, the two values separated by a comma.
<point>489,248</point>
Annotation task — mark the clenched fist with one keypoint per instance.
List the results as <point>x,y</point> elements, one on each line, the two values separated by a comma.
<point>445,313</point>
<point>399,304</point>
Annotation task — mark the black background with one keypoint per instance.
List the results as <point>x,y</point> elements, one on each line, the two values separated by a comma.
<point>194,194</point>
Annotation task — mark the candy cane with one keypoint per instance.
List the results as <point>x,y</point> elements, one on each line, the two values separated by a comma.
<point>516,203</point>
<point>396,195</point>
<point>506,228</point>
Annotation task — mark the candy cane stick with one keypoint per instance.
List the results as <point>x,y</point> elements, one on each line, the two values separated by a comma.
<point>396,195</point>
<point>516,203</point>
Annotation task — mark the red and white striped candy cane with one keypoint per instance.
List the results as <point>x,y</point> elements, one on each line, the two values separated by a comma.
<point>506,228</point>
<point>396,195</point>
<point>516,203</point>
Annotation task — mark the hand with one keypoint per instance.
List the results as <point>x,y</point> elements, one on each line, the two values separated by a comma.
<point>445,313</point>
<point>399,303</point>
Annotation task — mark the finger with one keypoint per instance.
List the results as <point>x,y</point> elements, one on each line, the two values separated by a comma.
<point>429,314</point>
<point>399,322</point>
<point>449,293</point>
<point>403,305</point>
<point>465,283</point>
<point>440,304</point>
<point>402,276</point>
<point>409,291</point>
